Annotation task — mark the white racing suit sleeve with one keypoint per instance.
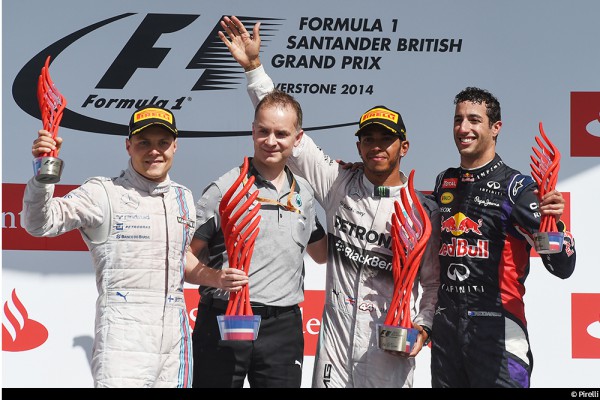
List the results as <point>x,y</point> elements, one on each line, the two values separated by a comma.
<point>320,170</point>
<point>259,84</point>
<point>48,216</point>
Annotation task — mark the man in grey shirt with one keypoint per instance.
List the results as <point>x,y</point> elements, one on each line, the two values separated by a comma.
<point>288,228</point>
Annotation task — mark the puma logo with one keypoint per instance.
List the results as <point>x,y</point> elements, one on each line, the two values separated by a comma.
<point>123,295</point>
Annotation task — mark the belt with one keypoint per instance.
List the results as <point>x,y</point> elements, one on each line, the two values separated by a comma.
<point>257,309</point>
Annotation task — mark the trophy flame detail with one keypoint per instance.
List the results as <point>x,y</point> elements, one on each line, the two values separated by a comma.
<point>239,322</point>
<point>544,170</point>
<point>411,230</point>
<point>48,167</point>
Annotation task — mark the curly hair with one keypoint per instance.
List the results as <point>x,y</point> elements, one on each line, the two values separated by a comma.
<point>479,96</point>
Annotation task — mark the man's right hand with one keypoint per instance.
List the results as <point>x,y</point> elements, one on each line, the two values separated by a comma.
<point>231,279</point>
<point>244,47</point>
<point>45,144</point>
<point>198,273</point>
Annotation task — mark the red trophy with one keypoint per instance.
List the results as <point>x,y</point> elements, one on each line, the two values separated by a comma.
<point>239,323</point>
<point>48,167</point>
<point>544,169</point>
<point>410,232</point>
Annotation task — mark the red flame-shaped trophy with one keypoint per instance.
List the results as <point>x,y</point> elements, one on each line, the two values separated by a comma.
<point>410,232</point>
<point>544,169</point>
<point>48,167</point>
<point>239,322</point>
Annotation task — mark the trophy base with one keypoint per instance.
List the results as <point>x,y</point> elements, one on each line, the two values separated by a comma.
<point>238,327</point>
<point>548,242</point>
<point>396,338</point>
<point>47,169</point>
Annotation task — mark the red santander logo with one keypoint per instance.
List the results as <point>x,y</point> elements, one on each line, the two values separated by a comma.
<point>19,332</point>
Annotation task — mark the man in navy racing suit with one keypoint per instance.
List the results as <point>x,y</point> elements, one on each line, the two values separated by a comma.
<point>489,213</point>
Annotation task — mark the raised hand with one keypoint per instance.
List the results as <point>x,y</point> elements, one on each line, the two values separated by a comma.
<point>244,48</point>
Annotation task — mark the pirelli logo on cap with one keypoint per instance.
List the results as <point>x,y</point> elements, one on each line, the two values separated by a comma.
<point>380,113</point>
<point>153,113</point>
<point>152,116</point>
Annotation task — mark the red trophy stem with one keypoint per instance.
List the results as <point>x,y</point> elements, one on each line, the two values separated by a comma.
<point>544,170</point>
<point>410,233</point>
<point>240,238</point>
<point>51,102</point>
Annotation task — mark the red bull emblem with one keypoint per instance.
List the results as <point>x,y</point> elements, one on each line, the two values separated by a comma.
<point>467,177</point>
<point>459,223</point>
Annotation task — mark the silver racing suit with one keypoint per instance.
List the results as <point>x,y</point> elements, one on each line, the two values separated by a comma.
<point>137,232</point>
<point>359,284</point>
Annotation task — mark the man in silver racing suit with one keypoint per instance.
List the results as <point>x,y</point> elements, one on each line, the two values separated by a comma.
<point>359,284</point>
<point>137,227</point>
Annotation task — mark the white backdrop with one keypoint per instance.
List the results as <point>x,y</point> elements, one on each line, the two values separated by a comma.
<point>539,58</point>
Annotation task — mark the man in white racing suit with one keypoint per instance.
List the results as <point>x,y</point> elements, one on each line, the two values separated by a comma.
<point>137,227</point>
<point>358,206</point>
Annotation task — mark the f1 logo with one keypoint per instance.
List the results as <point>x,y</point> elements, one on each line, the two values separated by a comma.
<point>585,325</point>
<point>140,52</point>
<point>585,124</point>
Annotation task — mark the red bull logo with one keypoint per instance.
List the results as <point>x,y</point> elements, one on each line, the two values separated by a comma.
<point>462,248</point>
<point>467,177</point>
<point>459,223</point>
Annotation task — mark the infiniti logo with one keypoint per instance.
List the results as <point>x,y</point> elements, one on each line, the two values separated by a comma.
<point>458,272</point>
<point>493,185</point>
